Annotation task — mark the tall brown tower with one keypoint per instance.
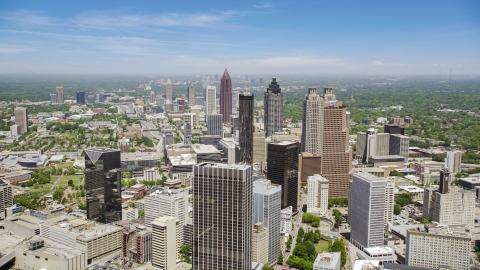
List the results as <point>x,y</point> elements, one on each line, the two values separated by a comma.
<point>226,96</point>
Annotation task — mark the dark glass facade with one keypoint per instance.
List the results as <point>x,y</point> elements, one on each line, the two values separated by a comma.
<point>282,169</point>
<point>273,105</point>
<point>226,96</point>
<point>246,127</point>
<point>103,184</point>
<point>80,97</point>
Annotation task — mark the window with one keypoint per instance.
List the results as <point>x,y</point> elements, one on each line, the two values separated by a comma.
<point>37,257</point>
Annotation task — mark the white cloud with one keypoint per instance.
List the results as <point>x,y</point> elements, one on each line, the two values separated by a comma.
<point>376,63</point>
<point>263,5</point>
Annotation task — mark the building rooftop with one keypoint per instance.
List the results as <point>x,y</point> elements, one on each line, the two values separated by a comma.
<point>381,250</point>
<point>366,264</point>
<point>9,241</point>
<point>183,159</point>
<point>52,248</point>
<point>459,231</point>
<point>471,180</point>
<point>98,231</point>
<point>204,148</point>
<point>224,165</point>
<point>413,189</point>
<point>327,259</point>
<point>368,176</point>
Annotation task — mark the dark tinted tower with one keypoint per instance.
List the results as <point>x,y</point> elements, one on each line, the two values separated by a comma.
<point>246,127</point>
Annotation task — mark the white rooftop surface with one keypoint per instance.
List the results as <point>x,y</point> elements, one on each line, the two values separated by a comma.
<point>283,143</point>
<point>183,159</point>
<point>413,189</point>
<point>53,248</point>
<point>9,241</point>
<point>360,263</point>
<point>203,148</point>
<point>98,231</point>
<point>379,250</point>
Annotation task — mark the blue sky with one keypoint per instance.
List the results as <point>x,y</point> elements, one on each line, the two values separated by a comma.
<point>201,37</point>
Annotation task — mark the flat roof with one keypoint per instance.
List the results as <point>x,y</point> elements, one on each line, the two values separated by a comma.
<point>411,188</point>
<point>329,259</point>
<point>98,231</point>
<point>51,248</point>
<point>9,241</point>
<point>379,250</point>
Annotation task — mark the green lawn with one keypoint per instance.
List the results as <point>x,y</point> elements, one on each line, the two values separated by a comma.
<point>76,179</point>
<point>65,165</point>
<point>321,246</point>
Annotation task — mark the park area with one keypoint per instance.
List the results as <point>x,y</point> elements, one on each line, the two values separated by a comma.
<point>321,246</point>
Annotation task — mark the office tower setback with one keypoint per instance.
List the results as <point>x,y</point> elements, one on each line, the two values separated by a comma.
<point>246,127</point>
<point>367,210</point>
<point>166,242</point>
<point>81,97</point>
<point>453,161</point>
<point>282,169</point>
<point>103,184</point>
<point>222,216</point>
<point>226,96</point>
<point>394,129</point>
<point>399,145</point>
<point>435,247</point>
<point>267,200</point>
<point>312,127</point>
<point>273,104</point>
<point>371,143</point>
<point>337,155</point>
<point>166,203</point>
<point>168,89</point>
<point>191,94</point>
<point>214,124</point>
<point>21,118</point>
<point>260,243</point>
<point>60,98</point>
<point>449,205</point>
<point>317,197</point>
<point>211,100</point>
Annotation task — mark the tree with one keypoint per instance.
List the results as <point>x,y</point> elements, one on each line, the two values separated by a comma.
<point>397,209</point>
<point>424,220</point>
<point>339,246</point>
<point>131,204</point>
<point>70,182</point>
<point>289,245</point>
<point>141,212</point>
<point>266,267</point>
<point>280,259</point>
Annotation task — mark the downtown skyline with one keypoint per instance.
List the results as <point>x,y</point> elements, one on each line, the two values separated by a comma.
<point>256,37</point>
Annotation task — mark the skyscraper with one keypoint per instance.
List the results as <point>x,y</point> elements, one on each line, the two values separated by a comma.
<point>191,95</point>
<point>60,98</point>
<point>282,169</point>
<point>399,145</point>
<point>103,184</point>
<point>317,197</point>
<point>21,118</point>
<point>367,211</point>
<point>81,97</point>
<point>312,127</point>
<point>246,127</point>
<point>168,89</point>
<point>273,104</point>
<point>267,200</point>
<point>211,100</point>
<point>337,155</point>
<point>167,239</point>
<point>222,216</point>
<point>214,124</point>
<point>226,96</point>
<point>453,161</point>
<point>152,97</point>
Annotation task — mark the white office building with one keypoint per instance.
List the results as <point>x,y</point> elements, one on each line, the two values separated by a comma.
<point>260,244</point>
<point>327,261</point>
<point>286,220</point>
<point>317,196</point>
<point>166,203</point>
<point>211,100</point>
<point>167,237</point>
<point>367,210</point>
<point>453,161</point>
<point>267,200</point>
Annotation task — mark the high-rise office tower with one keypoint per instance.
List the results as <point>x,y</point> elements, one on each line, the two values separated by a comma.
<point>167,239</point>
<point>164,203</point>
<point>103,184</point>
<point>394,129</point>
<point>60,98</point>
<point>449,205</point>
<point>21,118</point>
<point>312,127</point>
<point>191,95</point>
<point>282,169</point>
<point>226,96</point>
<point>152,97</point>
<point>168,89</point>
<point>6,197</point>
<point>187,132</point>
<point>453,161</point>
<point>214,124</point>
<point>260,243</point>
<point>53,98</point>
<point>246,127</point>
<point>81,97</point>
<point>399,145</point>
<point>367,210</point>
<point>317,197</point>
<point>267,200</point>
<point>371,143</point>
<point>260,147</point>
<point>337,155</point>
<point>222,216</point>
<point>211,100</point>
<point>273,104</point>
<point>435,247</point>
<point>389,201</point>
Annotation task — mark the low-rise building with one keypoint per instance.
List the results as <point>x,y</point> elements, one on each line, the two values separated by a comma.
<point>42,253</point>
<point>286,220</point>
<point>260,243</point>
<point>327,261</point>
